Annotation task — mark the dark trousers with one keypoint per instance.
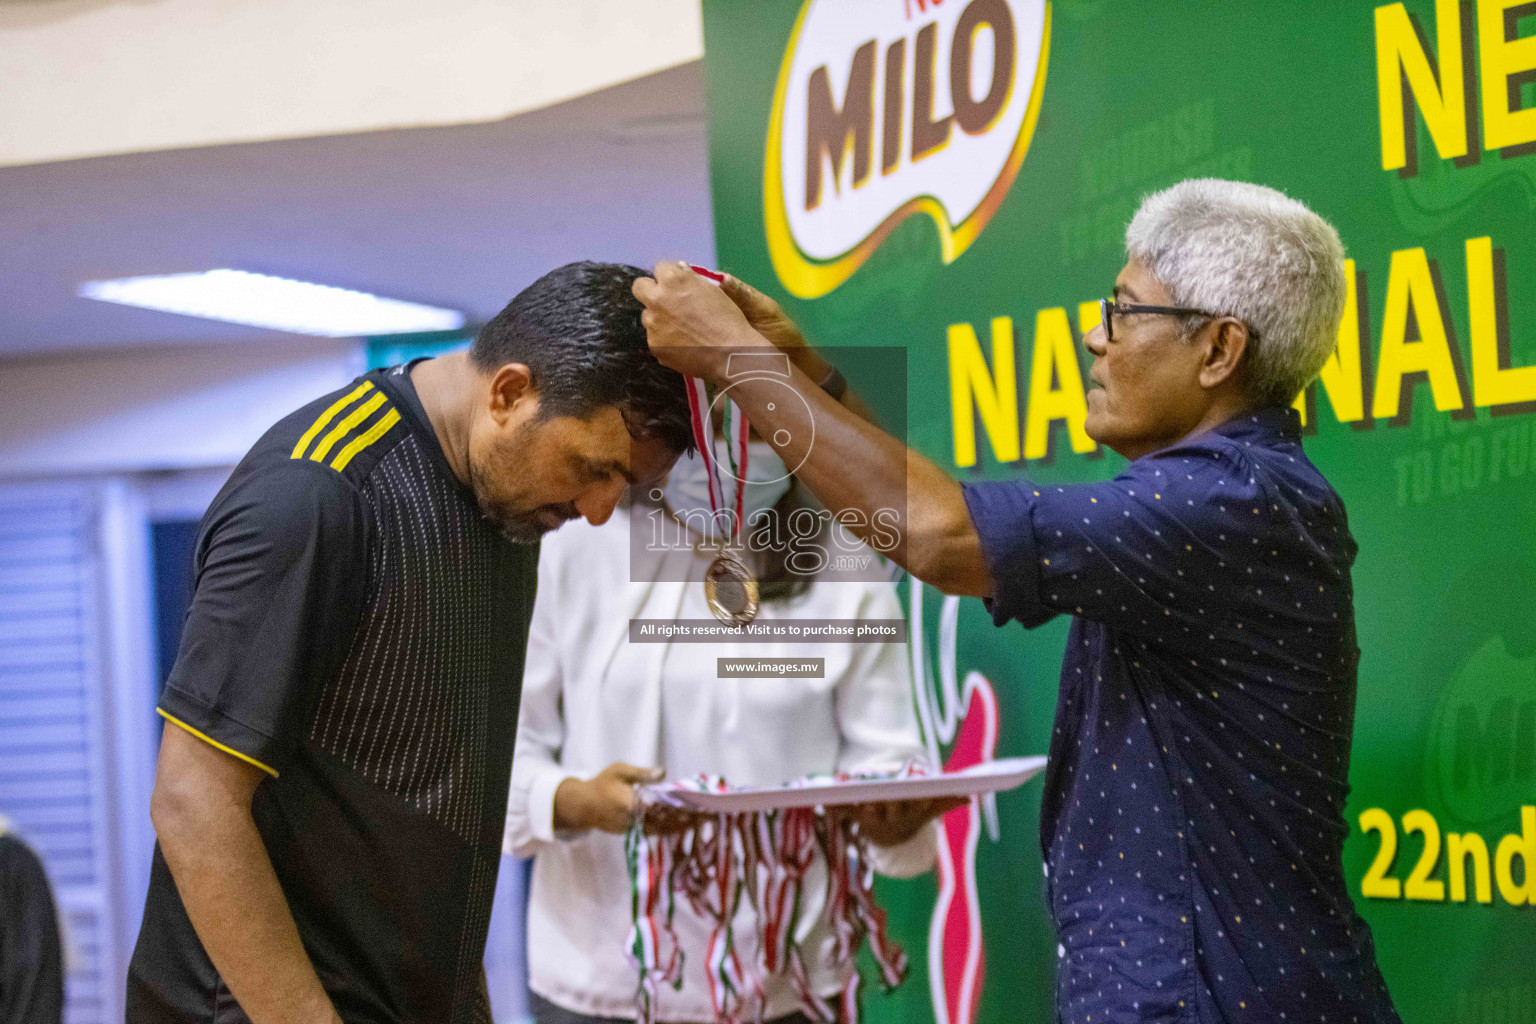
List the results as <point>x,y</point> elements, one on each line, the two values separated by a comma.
<point>546,1012</point>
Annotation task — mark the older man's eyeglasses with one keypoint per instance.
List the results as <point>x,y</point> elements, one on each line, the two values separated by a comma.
<point>1109,307</point>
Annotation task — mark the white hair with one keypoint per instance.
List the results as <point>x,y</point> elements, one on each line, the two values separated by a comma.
<point>1235,249</point>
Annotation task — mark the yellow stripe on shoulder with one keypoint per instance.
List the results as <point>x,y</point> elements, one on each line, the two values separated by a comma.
<point>329,414</point>
<point>213,742</point>
<point>366,438</point>
<point>351,420</point>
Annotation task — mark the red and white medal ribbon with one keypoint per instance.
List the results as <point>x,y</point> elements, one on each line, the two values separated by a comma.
<point>704,439</point>
<point>730,590</point>
<point>652,942</point>
<point>736,430</point>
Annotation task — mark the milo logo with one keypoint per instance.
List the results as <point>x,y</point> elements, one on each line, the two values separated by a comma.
<point>889,108</point>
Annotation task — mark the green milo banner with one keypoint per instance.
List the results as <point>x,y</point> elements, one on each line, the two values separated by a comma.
<point>955,176</point>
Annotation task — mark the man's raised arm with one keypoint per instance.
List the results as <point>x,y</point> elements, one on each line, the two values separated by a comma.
<point>849,464</point>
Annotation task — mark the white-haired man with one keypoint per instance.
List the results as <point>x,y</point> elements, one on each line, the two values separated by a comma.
<point>1193,823</point>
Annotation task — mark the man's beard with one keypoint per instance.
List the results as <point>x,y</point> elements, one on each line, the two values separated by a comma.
<point>516,525</point>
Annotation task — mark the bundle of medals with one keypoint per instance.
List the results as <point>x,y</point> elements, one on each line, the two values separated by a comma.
<point>763,857</point>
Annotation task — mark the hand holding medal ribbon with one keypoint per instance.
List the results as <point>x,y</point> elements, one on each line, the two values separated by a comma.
<point>730,589</point>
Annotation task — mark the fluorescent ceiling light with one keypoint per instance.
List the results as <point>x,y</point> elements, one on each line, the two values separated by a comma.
<point>242,297</point>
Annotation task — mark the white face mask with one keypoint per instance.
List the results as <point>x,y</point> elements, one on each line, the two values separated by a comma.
<point>687,487</point>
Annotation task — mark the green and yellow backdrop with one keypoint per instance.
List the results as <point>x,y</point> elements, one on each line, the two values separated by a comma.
<point>954,177</point>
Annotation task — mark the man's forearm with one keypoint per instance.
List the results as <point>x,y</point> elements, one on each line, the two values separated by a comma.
<point>907,508</point>
<point>232,895</point>
<point>895,500</point>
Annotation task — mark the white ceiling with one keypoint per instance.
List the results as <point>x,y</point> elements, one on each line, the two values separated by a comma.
<point>85,78</point>
<point>461,217</point>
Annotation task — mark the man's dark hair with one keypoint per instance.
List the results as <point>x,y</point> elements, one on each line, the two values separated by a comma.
<point>578,330</point>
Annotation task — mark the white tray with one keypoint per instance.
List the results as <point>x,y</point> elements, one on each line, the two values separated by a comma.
<point>988,777</point>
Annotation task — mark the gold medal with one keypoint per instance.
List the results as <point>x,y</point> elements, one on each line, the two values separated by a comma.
<point>730,590</point>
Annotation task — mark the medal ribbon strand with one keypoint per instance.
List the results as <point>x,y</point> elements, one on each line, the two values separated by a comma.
<point>736,428</point>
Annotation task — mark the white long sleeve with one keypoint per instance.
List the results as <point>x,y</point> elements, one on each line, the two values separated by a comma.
<point>536,768</point>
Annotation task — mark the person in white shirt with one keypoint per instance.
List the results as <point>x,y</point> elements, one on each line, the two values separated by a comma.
<point>601,715</point>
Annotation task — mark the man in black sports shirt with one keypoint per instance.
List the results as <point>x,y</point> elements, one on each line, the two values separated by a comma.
<point>333,777</point>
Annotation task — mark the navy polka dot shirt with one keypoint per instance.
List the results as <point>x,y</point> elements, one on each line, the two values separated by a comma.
<point>1193,818</point>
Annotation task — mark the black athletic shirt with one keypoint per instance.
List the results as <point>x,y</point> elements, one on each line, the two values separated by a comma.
<point>357,632</point>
